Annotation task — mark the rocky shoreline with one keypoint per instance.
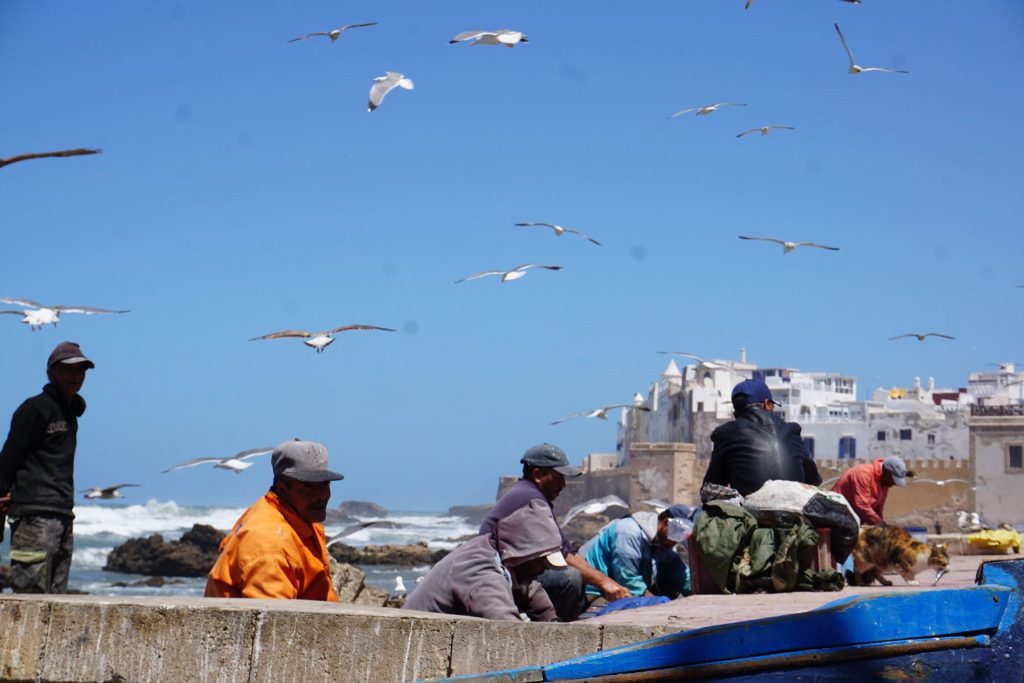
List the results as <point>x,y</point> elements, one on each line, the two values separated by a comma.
<point>196,551</point>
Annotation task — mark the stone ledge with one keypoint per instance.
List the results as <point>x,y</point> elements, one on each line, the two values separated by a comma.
<point>92,638</point>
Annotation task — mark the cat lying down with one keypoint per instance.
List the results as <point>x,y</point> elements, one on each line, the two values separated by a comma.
<point>891,549</point>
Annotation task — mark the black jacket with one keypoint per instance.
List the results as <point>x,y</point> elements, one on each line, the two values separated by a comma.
<point>37,461</point>
<point>757,446</point>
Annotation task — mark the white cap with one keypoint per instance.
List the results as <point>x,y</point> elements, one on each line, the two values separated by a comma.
<point>556,559</point>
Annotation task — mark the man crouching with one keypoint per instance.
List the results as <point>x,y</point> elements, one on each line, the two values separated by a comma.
<point>277,548</point>
<point>492,576</point>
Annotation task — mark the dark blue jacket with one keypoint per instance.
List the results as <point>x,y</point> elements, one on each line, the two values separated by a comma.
<point>38,459</point>
<point>757,446</point>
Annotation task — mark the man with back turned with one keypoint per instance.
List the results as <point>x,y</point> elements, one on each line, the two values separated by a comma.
<point>758,444</point>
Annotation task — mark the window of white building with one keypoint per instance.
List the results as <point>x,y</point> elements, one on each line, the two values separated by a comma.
<point>1014,458</point>
<point>847,447</point>
<point>906,434</point>
<point>881,436</point>
<point>931,439</point>
<point>809,444</point>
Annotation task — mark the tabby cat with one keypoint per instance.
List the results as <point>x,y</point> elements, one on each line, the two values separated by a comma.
<point>890,548</point>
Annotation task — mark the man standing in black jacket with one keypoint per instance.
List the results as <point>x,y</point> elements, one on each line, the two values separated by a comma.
<point>37,485</point>
<point>758,445</point>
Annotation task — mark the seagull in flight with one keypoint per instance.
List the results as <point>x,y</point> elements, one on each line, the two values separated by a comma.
<point>105,494</point>
<point>382,85</point>
<point>789,246</point>
<point>359,526</point>
<point>854,67</point>
<point>938,482</point>
<point>920,336</point>
<point>333,34</point>
<point>602,412</point>
<point>513,274</point>
<point>81,151</point>
<point>709,363</point>
<point>503,36</point>
<point>236,463</point>
<point>318,340</point>
<point>35,314</point>
<point>764,129</point>
<point>597,506</point>
<point>706,109</point>
<point>559,229</point>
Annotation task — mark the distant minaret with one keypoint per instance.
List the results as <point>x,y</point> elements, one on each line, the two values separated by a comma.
<point>743,354</point>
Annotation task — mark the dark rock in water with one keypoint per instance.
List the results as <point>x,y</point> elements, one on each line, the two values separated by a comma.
<point>584,527</point>
<point>360,508</point>
<point>411,555</point>
<point>340,518</point>
<point>204,537</point>
<point>474,514</point>
<point>5,576</point>
<point>193,555</point>
<point>151,582</point>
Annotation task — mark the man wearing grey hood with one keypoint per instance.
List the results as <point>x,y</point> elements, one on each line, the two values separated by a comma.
<point>492,576</point>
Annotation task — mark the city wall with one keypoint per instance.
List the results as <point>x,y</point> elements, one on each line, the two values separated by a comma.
<point>180,640</point>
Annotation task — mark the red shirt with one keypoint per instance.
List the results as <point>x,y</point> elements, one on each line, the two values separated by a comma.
<point>861,485</point>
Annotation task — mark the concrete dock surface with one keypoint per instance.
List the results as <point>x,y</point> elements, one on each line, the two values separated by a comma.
<point>79,638</point>
<point>697,611</point>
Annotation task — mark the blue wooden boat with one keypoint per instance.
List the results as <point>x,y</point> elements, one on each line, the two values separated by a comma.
<point>957,634</point>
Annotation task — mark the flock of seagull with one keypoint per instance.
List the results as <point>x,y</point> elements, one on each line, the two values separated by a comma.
<point>36,315</point>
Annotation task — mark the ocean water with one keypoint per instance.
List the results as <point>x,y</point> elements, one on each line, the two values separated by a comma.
<point>100,526</point>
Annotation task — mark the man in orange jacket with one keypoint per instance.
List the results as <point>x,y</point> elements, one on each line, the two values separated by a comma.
<point>866,486</point>
<point>277,548</point>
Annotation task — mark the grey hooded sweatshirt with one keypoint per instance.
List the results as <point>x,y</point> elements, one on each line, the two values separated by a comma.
<point>474,579</point>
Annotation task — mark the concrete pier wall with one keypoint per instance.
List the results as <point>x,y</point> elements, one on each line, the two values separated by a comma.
<point>179,640</point>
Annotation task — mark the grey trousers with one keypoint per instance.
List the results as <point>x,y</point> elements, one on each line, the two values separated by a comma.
<point>565,588</point>
<point>41,548</point>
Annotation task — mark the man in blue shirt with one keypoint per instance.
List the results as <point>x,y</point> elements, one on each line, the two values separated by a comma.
<point>545,468</point>
<point>637,551</point>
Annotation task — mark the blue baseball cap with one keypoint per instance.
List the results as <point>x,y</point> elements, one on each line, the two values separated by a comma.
<point>755,390</point>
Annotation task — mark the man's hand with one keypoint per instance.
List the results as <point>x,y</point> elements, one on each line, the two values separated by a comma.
<point>5,503</point>
<point>612,590</point>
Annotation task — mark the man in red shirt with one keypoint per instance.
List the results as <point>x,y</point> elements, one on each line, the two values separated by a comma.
<point>867,485</point>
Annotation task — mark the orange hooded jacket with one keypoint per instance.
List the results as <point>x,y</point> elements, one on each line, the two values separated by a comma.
<point>861,486</point>
<point>272,553</point>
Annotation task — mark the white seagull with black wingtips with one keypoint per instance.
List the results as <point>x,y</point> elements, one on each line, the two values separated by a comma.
<point>332,34</point>
<point>236,463</point>
<point>105,493</point>
<point>857,69</point>
<point>503,36</point>
<point>513,274</point>
<point>790,246</point>
<point>763,130</point>
<point>602,412</point>
<point>559,230</point>
<point>706,109</point>
<point>382,85</point>
<point>318,340</point>
<point>36,314</point>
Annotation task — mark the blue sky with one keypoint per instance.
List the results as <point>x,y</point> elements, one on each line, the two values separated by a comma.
<point>244,188</point>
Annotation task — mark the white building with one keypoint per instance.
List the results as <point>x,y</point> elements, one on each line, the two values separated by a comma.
<point>916,423</point>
